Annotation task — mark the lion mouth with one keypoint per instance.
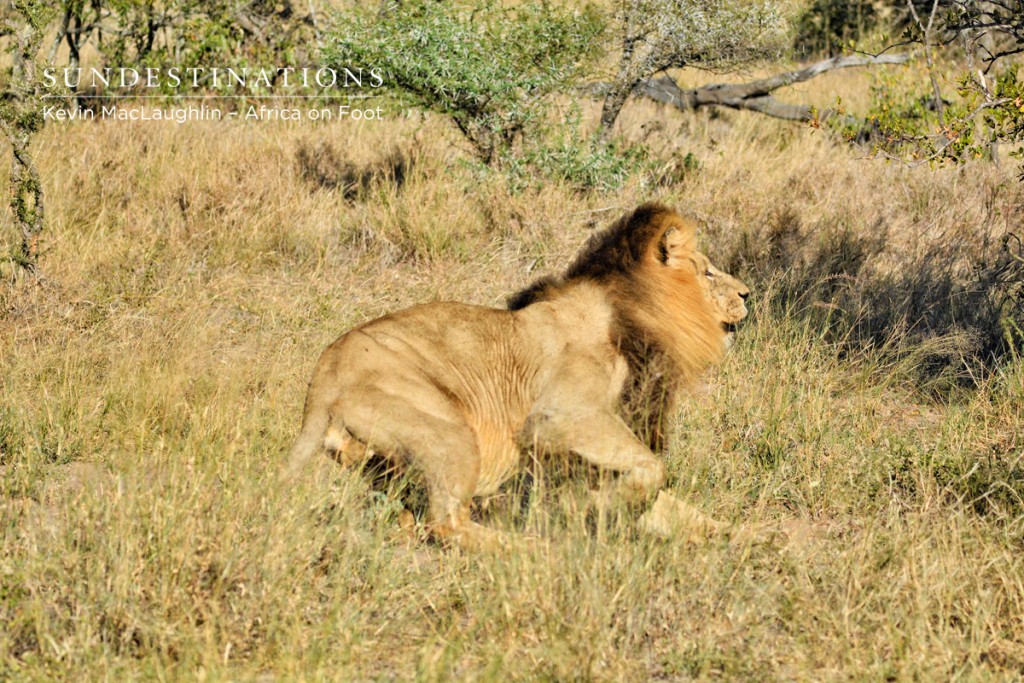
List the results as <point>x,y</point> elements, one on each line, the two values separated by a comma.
<point>729,328</point>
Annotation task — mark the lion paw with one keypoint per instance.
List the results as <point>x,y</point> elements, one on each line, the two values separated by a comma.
<point>670,517</point>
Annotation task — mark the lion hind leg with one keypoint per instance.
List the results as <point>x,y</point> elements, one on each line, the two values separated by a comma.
<point>448,455</point>
<point>344,448</point>
<point>450,461</point>
<point>442,447</point>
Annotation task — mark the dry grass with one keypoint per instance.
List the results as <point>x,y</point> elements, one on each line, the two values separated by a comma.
<point>151,382</point>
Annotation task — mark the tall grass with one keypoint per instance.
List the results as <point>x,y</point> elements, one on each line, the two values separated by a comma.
<point>151,382</point>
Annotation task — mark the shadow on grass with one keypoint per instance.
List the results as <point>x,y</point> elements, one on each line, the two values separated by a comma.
<point>322,165</point>
<point>957,304</point>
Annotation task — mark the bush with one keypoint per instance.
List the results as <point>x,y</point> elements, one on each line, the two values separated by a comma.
<point>901,110</point>
<point>486,67</point>
<point>663,34</point>
<point>905,122</point>
<point>201,33</point>
<point>568,157</point>
<point>988,106</point>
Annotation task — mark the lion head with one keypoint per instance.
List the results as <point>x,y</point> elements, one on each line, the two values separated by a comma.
<point>668,294</point>
<point>670,299</point>
<point>727,293</point>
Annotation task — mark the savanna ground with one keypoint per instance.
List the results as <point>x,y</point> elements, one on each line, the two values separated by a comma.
<point>152,380</point>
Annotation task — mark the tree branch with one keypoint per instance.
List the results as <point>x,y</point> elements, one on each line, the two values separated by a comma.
<point>926,33</point>
<point>754,95</point>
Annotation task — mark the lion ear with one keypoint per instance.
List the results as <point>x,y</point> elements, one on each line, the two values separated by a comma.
<point>676,244</point>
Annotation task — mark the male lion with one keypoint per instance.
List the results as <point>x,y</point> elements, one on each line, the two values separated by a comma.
<point>576,365</point>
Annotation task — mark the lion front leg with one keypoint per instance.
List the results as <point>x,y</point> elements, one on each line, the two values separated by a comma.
<point>450,523</point>
<point>604,440</point>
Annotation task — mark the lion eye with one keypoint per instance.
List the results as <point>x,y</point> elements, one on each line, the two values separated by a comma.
<point>709,274</point>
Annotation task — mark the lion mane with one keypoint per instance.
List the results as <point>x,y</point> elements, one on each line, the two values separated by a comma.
<point>587,363</point>
<point>666,329</point>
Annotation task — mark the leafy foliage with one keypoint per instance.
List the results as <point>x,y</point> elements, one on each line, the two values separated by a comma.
<point>988,106</point>
<point>1005,118</point>
<point>905,123</point>
<point>21,117</point>
<point>567,156</point>
<point>185,34</point>
<point>714,35</point>
<point>995,29</point>
<point>485,66</point>
<point>195,33</point>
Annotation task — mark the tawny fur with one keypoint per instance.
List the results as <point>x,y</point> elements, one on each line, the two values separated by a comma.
<point>459,392</point>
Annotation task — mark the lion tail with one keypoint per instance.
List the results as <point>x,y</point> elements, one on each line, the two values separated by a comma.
<point>315,421</point>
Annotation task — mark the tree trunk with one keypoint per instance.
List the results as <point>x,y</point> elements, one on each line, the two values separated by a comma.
<point>26,198</point>
<point>614,99</point>
<point>626,80</point>
<point>20,118</point>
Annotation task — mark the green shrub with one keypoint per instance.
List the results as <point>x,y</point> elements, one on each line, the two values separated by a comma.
<point>904,121</point>
<point>201,33</point>
<point>486,67</point>
<point>567,156</point>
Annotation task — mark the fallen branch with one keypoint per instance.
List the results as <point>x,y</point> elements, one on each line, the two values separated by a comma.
<point>755,95</point>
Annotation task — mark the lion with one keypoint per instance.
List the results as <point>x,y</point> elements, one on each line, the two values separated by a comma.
<point>588,363</point>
